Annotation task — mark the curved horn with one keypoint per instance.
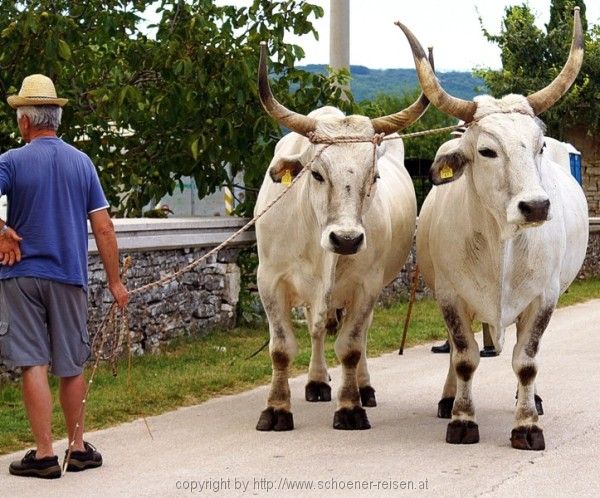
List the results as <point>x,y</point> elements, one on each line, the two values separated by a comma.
<point>296,122</point>
<point>545,98</point>
<point>396,122</point>
<point>462,109</point>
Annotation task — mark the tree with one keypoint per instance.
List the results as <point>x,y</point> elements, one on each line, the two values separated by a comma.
<point>423,147</point>
<point>532,58</point>
<point>151,110</point>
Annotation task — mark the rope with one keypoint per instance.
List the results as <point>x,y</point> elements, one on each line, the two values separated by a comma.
<point>413,294</point>
<point>316,138</point>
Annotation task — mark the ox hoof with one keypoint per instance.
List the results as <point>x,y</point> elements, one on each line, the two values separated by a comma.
<point>317,391</point>
<point>538,405</point>
<point>527,438</point>
<point>275,420</point>
<point>351,419</point>
<point>462,432</point>
<point>445,408</point>
<point>367,396</point>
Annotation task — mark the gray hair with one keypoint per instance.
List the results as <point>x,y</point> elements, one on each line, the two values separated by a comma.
<point>41,117</point>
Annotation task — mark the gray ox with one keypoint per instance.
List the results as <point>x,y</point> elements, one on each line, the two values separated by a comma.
<point>332,242</point>
<point>502,240</point>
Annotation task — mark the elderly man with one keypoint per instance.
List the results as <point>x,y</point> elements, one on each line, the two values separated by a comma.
<point>52,189</point>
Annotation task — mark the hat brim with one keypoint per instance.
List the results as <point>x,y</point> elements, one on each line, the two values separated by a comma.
<point>15,101</point>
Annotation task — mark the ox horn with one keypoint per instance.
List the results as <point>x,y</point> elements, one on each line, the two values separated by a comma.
<point>545,98</point>
<point>400,120</point>
<point>296,122</point>
<point>461,109</point>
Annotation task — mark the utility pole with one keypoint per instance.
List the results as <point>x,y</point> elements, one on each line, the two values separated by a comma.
<point>339,34</point>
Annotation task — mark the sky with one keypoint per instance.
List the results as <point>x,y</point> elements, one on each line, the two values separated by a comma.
<point>450,26</point>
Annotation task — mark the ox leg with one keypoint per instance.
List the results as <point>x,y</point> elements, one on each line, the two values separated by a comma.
<point>526,434</point>
<point>464,359</point>
<point>448,394</point>
<point>282,347</point>
<point>350,415</point>
<point>317,388</point>
<point>367,393</point>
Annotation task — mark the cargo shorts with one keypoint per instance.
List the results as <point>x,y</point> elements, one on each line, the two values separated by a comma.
<point>43,322</point>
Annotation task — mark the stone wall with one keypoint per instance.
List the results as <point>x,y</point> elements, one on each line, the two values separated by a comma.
<point>591,264</point>
<point>202,299</point>
<point>590,152</point>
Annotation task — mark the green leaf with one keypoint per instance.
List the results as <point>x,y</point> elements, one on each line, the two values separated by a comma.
<point>194,149</point>
<point>64,50</point>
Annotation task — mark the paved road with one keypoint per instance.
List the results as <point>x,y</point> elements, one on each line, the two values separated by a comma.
<point>215,446</point>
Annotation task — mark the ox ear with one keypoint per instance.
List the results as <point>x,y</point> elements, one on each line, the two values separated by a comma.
<point>447,168</point>
<point>291,164</point>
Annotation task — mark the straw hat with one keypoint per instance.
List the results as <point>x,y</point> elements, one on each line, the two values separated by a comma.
<point>36,89</point>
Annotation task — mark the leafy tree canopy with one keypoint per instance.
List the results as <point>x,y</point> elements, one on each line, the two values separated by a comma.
<point>532,58</point>
<point>423,147</point>
<point>151,110</point>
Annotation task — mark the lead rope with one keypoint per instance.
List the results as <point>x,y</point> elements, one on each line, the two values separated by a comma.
<point>413,294</point>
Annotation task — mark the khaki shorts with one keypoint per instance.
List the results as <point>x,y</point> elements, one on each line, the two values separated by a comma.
<point>43,322</point>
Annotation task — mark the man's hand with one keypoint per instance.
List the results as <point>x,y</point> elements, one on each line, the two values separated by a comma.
<point>10,250</point>
<point>120,293</point>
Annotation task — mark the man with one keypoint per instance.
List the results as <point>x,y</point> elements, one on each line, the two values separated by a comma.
<point>52,189</point>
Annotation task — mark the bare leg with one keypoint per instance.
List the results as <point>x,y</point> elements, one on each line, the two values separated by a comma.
<point>72,393</point>
<point>38,404</point>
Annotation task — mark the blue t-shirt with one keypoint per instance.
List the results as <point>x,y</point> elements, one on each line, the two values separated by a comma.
<point>51,188</point>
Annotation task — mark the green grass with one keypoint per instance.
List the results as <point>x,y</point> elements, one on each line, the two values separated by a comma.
<point>193,370</point>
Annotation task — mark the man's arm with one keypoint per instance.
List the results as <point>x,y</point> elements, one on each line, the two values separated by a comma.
<point>10,250</point>
<point>106,240</point>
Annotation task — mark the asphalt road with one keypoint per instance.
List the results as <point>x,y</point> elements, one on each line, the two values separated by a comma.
<point>213,450</point>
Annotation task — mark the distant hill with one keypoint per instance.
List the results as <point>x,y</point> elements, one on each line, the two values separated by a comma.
<point>367,83</point>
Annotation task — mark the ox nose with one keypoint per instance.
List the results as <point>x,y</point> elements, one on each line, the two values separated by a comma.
<point>535,210</point>
<point>343,244</point>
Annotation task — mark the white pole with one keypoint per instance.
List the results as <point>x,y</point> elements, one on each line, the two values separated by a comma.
<point>339,37</point>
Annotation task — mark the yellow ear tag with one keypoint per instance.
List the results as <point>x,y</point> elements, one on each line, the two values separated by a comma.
<point>446,172</point>
<point>286,179</point>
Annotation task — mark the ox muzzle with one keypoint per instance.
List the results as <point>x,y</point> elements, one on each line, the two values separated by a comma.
<point>344,241</point>
<point>535,211</point>
<point>532,210</point>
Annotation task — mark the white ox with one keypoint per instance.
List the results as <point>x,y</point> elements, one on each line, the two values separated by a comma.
<point>340,234</point>
<point>502,240</point>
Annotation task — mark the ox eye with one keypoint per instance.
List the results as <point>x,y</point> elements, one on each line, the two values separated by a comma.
<point>317,176</point>
<point>543,147</point>
<point>376,177</point>
<point>488,153</point>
